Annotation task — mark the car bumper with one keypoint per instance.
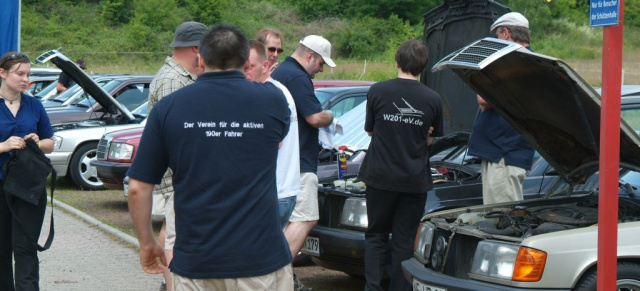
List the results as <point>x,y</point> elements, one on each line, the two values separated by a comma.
<point>416,271</point>
<point>340,249</point>
<point>111,174</point>
<point>60,162</point>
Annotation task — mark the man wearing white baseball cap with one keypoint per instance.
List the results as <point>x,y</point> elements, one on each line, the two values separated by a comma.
<point>505,154</point>
<point>295,73</point>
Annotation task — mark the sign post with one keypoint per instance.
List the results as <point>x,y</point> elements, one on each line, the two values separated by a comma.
<point>609,13</point>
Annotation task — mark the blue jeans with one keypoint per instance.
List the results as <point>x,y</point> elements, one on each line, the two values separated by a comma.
<point>286,206</point>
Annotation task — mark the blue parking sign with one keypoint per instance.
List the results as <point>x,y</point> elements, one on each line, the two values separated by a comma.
<point>604,12</point>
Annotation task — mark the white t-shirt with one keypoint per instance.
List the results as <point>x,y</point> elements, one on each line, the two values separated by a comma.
<point>288,167</point>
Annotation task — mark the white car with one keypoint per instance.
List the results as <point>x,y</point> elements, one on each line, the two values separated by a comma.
<point>540,244</point>
<point>76,142</point>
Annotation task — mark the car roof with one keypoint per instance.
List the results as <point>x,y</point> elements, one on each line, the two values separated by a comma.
<point>339,89</point>
<point>332,83</point>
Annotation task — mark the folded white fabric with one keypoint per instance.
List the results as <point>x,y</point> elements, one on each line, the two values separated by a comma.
<point>326,134</point>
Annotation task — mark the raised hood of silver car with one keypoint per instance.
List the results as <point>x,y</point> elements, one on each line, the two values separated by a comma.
<point>544,99</point>
<point>83,80</point>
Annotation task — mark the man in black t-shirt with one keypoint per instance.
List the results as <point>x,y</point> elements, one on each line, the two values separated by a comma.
<point>396,168</point>
<point>65,82</point>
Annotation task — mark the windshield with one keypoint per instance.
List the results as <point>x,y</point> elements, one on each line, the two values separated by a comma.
<point>87,100</point>
<point>141,110</point>
<point>64,96</point>
<point>49,90</point>
<point>323,96</point>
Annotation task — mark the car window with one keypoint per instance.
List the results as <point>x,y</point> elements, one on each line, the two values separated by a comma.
<point>141,110</point>
<point>86,100</point>
<point>323,96</point>
<point>133,95</point>
<point>632,117</point>
<point>631,177</point>
<point>343,106</point>
<point>49,90</point>
<point>68,93</point>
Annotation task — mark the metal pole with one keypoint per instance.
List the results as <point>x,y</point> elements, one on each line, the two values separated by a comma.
<point>19,23</point>
<point>609,154</point>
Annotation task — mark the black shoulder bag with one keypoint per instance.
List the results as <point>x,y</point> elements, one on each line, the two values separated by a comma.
<point>25,176</point>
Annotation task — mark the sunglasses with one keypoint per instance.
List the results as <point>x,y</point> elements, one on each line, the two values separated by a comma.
<point>274,49</point>
<point>16,56</point>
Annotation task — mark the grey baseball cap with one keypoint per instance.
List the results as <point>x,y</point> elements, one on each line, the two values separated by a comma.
<point>189,34</point>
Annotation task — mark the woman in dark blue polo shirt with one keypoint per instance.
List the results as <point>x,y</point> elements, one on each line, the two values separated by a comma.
<point>22,117</point>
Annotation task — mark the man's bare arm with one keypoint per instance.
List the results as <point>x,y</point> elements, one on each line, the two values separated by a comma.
<point>320,119</point>
<point>152,256</point>
<point>483,104</point>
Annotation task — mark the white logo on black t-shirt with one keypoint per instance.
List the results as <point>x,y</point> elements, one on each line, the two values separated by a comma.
<point>410,111</point>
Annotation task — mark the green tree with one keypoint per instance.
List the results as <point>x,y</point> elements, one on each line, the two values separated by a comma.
<point>368,37</point>
<point>410,10</point>
<point>116,12</point>
<point>205,11</point>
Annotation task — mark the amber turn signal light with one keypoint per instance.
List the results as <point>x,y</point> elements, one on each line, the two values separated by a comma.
<point>529,265</point>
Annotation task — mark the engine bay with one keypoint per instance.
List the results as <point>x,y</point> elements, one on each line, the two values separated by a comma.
<point>522,221</point>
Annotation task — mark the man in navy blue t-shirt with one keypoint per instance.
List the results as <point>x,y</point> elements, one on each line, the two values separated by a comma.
<point>296,73</point>
<point>220,137</point>
<point>506,156</point>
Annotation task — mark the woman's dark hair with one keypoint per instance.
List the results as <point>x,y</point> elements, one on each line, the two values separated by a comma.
<point>412,56</point>
<point>11,58</point>
<point>224,47</point>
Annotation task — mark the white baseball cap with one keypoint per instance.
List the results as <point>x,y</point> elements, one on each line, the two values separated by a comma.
<point>511,19</point>
<point>321,46</point>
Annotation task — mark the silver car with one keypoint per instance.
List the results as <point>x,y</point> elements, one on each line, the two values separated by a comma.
<point>76,142</point>
<point>541,244</point>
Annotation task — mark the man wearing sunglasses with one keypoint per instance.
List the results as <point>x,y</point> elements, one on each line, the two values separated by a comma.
<point>272,40</point>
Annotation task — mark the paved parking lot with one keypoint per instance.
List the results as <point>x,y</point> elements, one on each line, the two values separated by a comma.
<point>84,256</point>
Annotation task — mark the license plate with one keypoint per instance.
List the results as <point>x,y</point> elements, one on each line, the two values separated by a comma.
<point>419,286</point>
<point>311,246</point>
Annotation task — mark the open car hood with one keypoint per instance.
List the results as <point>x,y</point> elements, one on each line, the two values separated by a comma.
<point>83,80</point>
<point>545,100</point>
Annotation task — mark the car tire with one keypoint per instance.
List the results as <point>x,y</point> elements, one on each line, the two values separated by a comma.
<point>628,278</point>
<point>302,260</point>
<point>81,172</point>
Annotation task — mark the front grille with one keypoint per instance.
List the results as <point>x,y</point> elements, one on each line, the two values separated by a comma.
<point>476,55</point>
<point>103,147</point>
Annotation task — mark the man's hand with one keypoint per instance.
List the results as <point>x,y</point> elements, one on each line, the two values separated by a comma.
<point>482,103</point>
<point>152,258</point>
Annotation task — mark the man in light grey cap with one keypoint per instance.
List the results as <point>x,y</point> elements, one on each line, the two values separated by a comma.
<point>295,73</point>
<point>178,70</point>
<point>513,27</point>
<point>506,155</point>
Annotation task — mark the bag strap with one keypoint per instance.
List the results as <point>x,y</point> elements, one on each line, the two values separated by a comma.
<point>47,243</point>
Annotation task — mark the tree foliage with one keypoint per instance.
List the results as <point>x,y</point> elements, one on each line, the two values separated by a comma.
<point>116,12</point>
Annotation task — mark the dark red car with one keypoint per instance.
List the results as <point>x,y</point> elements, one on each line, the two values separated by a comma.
<point>114,156</point>
<point>117,149</point>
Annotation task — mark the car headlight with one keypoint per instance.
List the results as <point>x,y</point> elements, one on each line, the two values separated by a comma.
<point>354,213</point>
<point>120,151</point>
<point>57,141</point>
<point>508,261</point>
<point>424,241</point>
